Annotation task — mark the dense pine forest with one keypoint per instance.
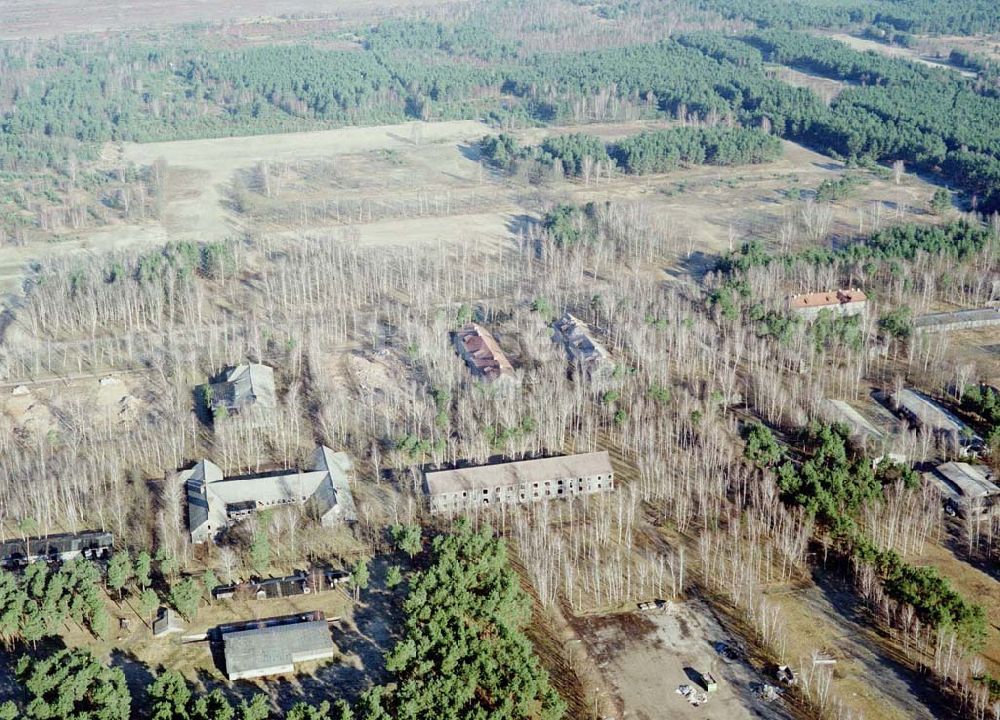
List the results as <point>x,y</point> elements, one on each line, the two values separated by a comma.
<point>59,100</point>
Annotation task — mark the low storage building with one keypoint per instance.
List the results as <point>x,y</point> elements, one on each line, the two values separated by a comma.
<point>966,485</point>
<point>93,545</point>
<point>273,646</point>
<point>927,413</point>
<point>278,587</point>
<point>241,387</point>
<point>958,320</point>
<point>524,481</point>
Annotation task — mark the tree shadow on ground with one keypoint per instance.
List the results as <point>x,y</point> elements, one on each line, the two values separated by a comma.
<point>374,631</point>
<point>958,548</point>
<point>911,688</point>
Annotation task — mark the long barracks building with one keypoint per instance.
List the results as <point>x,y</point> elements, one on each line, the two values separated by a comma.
<point>525,481</point>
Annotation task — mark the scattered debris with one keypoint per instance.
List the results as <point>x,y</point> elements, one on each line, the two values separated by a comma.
<point>765,692</point>
<point>21,390</point>
<point>665,606</point>
<point>822,658</point>
<point>694,696</point>
<point>129,406</point>
<point>785,675</point>
<point>729,653</point>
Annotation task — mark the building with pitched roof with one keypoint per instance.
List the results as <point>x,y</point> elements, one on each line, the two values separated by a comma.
<point>477,346</point>
<point>273,646</point>
<point>524,481</point>
<point>841,302</point>
<point>585,354</point>
<point>934,417</point>
<point>957,320</point>
<point>244,386</point>
<point>215,501</point>
<point>966,485</point>
<point>17,552</point>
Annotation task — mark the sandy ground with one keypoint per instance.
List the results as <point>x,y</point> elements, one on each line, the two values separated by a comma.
<point>423,182</point>
<point>100,398</point>
<point>647,656</point>
<point>827,616</point>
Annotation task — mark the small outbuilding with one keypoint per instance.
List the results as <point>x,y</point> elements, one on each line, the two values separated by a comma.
<point>166,623</point>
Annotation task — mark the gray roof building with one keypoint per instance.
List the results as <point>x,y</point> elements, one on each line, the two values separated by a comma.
<point>958,320</point>
<point>964,483</point>
<point>276,645</point>
<point>584,352</point>
<point>17,552</point>
<point>930,414</point>
<point>166,623</point>
<point>243,386</point>
<point>519,482</point>
<point>843,412</point>
<point>215,501</point>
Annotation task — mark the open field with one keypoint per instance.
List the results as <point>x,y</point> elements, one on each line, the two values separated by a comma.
<point>826,617</point>
<point>895,51</point>
<point>988,46</point>
<point>826,88</point>
<point>646,657</point>
<point>981,347</point>
<point>27,18</point>
<point>423,182</point>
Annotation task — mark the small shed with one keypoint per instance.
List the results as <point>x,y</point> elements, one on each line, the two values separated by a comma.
<point>166,623</point>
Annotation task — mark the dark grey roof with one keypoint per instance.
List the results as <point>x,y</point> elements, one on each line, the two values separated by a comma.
<point>245,385</point>
<point>970,481</point>
<point>17,551</point>
<point>275,648</point>
<point>290,585</point>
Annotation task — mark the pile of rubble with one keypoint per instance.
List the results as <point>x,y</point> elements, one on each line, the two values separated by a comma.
<point>694,696</point>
